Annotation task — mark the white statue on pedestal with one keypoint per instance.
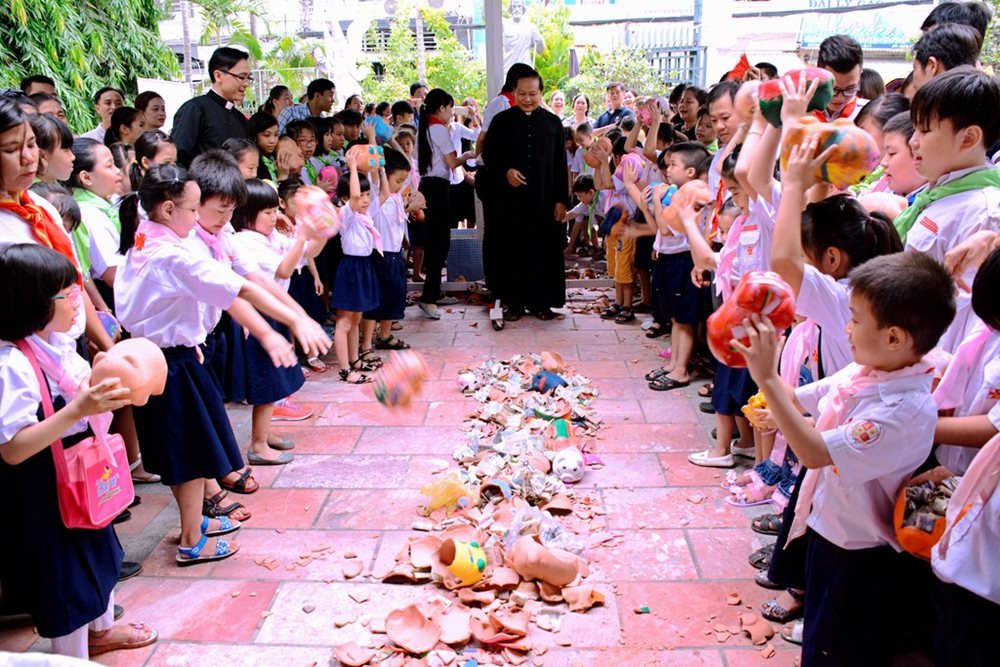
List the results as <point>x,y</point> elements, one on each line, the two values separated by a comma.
<point>521,39</point>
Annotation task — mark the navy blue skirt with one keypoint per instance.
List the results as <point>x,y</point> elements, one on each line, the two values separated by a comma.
<point>63,578</point>
<point>257,381</point>
<point>356,287</point>
<point>302,288</point>
<point>391,272</point>
<point>185,433</point>
<point>733,388</point>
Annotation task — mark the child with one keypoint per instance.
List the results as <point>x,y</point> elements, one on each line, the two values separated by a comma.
<point>416,231</point>
<point>164,286</point>
<point>64,578</point>
<point>306,286</point>
<point>352,121</point>
<point>264,133</point>
<point>246,153</point>
<point>402,113</point>
<point>55,148</point>
<point>705,132</point>
<point>304,134</point>
<point>356,287</point>
<point>954,120</point>
<point>259,248</point>
<point>584,138</point>
<point>389,213</point>
<point>587,215</point>
<point>900,169</point>
<point>153,147</point>
<point>127,124</point>
<point>874,426</point>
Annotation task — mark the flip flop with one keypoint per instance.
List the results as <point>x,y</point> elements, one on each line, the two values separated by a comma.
<point>225,526</point>
<point>150,478</point>
<point>749,496</point>
<point>664,383</point>
<point>792,632</point>
<point>316,365</point>
<point>652,375</point>
<point>140,635</point>
<point>705,391</point>
<point>192,555</point>
<point>254,459</point>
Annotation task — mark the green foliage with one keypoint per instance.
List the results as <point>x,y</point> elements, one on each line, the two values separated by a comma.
<point>399,59</point>
<point>553,22</point>
<point>991,45</point>
<point>223,19</point>
<point>293,61</point>
<point>83,46</point>
<point>623,64</point>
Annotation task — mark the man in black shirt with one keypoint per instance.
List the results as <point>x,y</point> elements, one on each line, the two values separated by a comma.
<point>616,111</point>
<point>205,122</point>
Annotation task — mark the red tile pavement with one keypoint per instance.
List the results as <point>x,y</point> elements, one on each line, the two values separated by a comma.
<point>354,488</point>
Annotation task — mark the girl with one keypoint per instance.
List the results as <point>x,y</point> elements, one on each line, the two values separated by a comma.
<point>153,110</point>
<point>123,155</point>
<point>705,132</point>
<point>304,134</point>
<point>64,578</point>
<point>264,133</point>
<point>95,181</point>
<point>355,288</point>
<point>278,99</point>
<point>55,145</point>
<point>437,160</point>
<point>258,247</point>
<point>164,288</point>
<point>246,153</point>
<point>874,115</point>
<point>384,110</point>
<point>126,125</point>
<point>152,147</point>
<point>306,288</point>
<point>692,99</point>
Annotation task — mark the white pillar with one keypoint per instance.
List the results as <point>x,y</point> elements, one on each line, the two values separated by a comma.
<point>493,20</point>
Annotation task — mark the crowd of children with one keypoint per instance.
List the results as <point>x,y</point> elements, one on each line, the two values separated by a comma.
<point>889,371</point>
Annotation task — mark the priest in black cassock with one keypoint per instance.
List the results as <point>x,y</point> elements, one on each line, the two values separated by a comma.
<point>526,154</point>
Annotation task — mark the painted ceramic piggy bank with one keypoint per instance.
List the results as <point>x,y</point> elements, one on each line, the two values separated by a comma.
<point>568,466</point>
<point>763,293</point>
<point>593,158</point>
<point>400,379</point>
<point>769,92</point>
<point>138,363</point>
<point>857,153</point>
<point>369,158</point>
<point>315,211</point>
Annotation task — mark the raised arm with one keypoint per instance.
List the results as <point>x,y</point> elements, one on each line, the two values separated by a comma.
<point>649,148</point>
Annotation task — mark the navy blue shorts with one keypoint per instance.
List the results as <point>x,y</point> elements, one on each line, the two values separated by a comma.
<point>417,232</point>
<point>672,278</point>
<point>391,271</point>
<point>644,253</point>
<point>733,388</point>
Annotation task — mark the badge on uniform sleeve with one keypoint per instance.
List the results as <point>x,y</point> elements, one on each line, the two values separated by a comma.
<point>863,434</point>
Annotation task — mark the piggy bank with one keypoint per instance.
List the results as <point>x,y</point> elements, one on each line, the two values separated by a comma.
<point>857,153</point>
<point>315,212</point>
<point>629,159</point>
<point>400,379</point>
<point>567,465</point>
<point>465,560</point>
<point>138,363</point>
<point>769,92</point>
<point>594,158</point>
<point>330,174</point>
<point>383,132</point>
<point>744,101</point>
<point>369,158</point>
<point>763,293</point>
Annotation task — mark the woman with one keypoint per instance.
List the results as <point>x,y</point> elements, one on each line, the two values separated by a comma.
<point>126,125</point>
<point>278,99</point>
<point>355,103</point>
<point>152,108</point>
<point>581,112</point>
<point>557,103</point>
<point>692,99</point>
<point>384,111</point>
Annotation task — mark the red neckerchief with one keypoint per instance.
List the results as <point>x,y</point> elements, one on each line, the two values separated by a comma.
<point>713,226</point>
<point>434,120</point>
<point>843,113</point>
<point>510,98</point>
<point>43,228</point>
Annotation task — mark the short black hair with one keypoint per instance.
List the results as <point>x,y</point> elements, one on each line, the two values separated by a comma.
<point>381,107</point>
<point>344,186</point>
<point>238,147</point>
<point>62,200</point>
<point>841,53</point>
<point>699,94</point>
<point>260,197</point>
<point>882,108</point>
<point>691,153</point>
<point>146,146</point>
<point>218,174</point>
<point>350,117</point>
<point>30,275</point>
<point>666,133</point>
<point>289,187</point>
<point>677,93</point>
<point>27,81</point>
<point>985,296</point>
<point>963,96</point>
<point>720,90</point>
<point>401,108</point>
<point>951,44</point>
<point>767,69</point>
<point>704,166</point>
<point>614,84</point>
<point>627,123</point>
<point>261,122</point>
<point>584,128</point>
<point>107,89</point>
<point>224,58</point>
<point>38,98</point>
<point>50,132</point>
<point>318,87</point>
<point>909,290</point>
<point>395,161</point>
<point>975,14</point>
<point>584,183</point>
<point>900,124</point>
<point>841,222</point>
<point>871,84</point>
<point>297,127</point>
<point>414,87</point>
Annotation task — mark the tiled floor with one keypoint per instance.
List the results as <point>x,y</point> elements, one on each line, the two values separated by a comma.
<point>354,487</point>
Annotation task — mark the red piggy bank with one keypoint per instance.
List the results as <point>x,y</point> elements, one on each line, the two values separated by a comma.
<point>763,293</point>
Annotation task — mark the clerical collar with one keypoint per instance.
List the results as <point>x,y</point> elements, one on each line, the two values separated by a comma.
<point>219,99</point>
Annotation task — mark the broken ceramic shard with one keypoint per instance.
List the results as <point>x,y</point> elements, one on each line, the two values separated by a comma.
<point>465,560</point>
<point>411,630</point>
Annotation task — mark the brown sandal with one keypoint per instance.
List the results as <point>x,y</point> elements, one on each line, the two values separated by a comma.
<point>213,508</point>
<point>246,484</point>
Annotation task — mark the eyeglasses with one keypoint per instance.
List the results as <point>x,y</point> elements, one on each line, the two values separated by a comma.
<point>73,294</point>
<point>244,78</point>
<point>850,91</point>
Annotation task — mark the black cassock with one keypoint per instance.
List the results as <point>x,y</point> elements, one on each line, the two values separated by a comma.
<point>528,240</point>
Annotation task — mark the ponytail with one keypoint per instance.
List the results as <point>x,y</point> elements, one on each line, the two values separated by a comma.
<point>128,216</point>
<point>423,142</point>
<point>146,146</point>
<point>163,182</point>
<point>841,222</point>
<point>884,237</point>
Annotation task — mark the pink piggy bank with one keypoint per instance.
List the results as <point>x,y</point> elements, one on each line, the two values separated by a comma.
<point>138,363</point>
<point>316,213</point>
<point>330,174</point>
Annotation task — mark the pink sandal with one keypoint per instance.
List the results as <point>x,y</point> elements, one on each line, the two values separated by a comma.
<point>140,635</point>
<point>734,478</point>
<point>750,495</point>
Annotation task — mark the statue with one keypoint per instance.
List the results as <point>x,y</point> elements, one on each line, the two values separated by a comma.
<point>521,39</point>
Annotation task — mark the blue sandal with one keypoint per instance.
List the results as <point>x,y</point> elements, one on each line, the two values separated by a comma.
<point>226,526</point>
<point>189,556</point>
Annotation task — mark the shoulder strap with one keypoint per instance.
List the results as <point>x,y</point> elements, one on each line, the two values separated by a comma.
<point>58,456</point>
<point>820,371</point>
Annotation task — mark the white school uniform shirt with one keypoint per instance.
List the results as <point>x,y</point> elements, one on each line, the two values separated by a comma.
<point>254,251</point>
<point>946,223</point>
<point>104,240</point>
<point>884,437</point>
<point>354,236</point>
<point>390,220</point>
<point>96,134</point>
<point>459,133</point>
<point>165,301</point>
<point>495,106</point>
<point>754,250</point>
<point>20,394</point>
<point>577,165</point>
<point>14,230</point>
<point>439,137</point>
<point>970,386</point>
<point>827,302</point>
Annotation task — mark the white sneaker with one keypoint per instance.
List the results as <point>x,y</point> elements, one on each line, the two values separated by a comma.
<point>705,461</point>
<point>429,310</point>
<point>745,452</point>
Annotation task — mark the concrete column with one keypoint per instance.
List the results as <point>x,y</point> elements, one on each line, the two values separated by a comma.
<point>493,20</point>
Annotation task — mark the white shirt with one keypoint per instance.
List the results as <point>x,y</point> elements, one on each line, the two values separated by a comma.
<point>578,166</point>
<point>354,236</point>
<point>495,106</point>
<point>441,144</point>
<point>754,250</point>
<point>97,134</point>
<point>828,303</point>
<point>105,240</point>
<point>946,223</point>
<point>253,251</point>
<point>390,220</point>
<point>165,301</point>
<point>460,133</point>
<point>970,386</point>
<point>887,432</point>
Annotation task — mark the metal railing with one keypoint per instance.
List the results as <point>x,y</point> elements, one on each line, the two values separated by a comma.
<point>672,50</point>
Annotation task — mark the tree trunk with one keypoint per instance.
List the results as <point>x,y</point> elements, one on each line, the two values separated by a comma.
<point>186,31</point>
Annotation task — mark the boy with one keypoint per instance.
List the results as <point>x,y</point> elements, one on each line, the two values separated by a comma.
<point>402,113</point>
<point>620,247</point>
<point>588,214</point>
<point>584,138</point>
<point>955,121</point>
<point>352,121</point>
<point>304,134</point>
<point>944,48</point>
<point>875,426</point>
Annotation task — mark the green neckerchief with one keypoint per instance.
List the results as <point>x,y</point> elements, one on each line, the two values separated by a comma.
<point>272,168</point>
<point>83,196</point>
<point>871,179</point>
<point>976,180</point>
<point>313,173</point>
<point>714,146</point>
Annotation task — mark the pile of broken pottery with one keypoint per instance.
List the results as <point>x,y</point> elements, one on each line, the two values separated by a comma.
<point>504,537</point>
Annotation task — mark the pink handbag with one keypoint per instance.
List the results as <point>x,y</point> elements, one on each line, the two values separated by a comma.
<point>92,477</point>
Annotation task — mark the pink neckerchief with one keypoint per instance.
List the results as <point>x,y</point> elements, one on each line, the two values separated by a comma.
<point>214,244</point>
<point>370,226</point>
<point>724,277</point>
<point>54,360</point>
<point>950,391</point>
<point>150,238</point>
<point>835,411</point>
<point>978,484</point>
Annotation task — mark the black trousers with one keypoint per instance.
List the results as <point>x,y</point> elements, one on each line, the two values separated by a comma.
<point>437,221</point>
<point>965,624</point>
